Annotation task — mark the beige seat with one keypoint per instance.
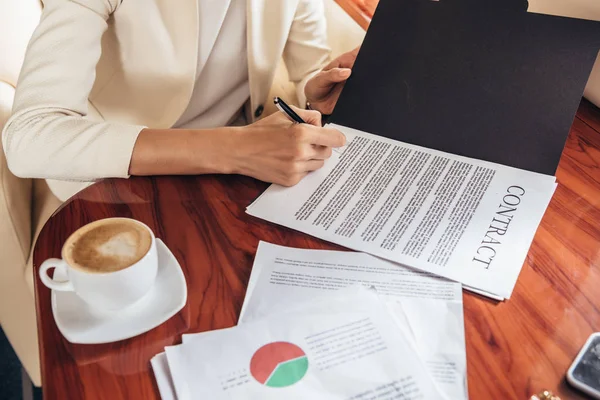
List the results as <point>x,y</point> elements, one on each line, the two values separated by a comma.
<point>25,204</point>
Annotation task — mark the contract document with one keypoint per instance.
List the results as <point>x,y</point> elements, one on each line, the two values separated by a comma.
<point>464,219</point>
<point>341,345</point>
<point>428,308</point>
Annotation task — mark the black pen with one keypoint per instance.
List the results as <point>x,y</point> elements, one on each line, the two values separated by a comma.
<point>287,110</point>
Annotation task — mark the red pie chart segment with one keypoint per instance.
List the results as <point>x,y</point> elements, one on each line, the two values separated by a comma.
<point>266,359</point>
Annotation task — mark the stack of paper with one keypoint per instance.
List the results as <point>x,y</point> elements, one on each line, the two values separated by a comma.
<point>310,328</point>
<point>467,220</point>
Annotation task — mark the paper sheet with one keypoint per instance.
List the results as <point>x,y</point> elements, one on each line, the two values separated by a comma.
<point>188,336</point>
<point>162,373</point>
<point>340,345</point>
<point>464,219</point>
<point>429,308</point>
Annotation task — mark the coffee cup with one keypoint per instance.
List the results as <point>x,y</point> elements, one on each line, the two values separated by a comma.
<point>110,263</point>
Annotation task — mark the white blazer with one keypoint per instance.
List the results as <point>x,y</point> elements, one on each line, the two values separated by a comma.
<point>96,72</point>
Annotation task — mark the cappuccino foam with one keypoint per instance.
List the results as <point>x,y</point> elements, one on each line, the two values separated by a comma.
<point>108,245</point>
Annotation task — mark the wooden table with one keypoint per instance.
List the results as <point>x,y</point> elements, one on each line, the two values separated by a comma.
<point>514,348</point>
<point>360,10</point>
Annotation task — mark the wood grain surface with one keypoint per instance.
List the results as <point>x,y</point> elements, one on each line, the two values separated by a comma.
<point>360,10</point>
<point>514,348</point>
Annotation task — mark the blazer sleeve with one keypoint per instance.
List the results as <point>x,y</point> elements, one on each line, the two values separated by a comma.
<point>306,51</point>
<point>48,134</point>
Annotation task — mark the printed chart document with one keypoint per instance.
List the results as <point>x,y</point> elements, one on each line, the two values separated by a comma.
<point>341,345</point>
<point>429,307</point>
<point>467,220</point>
<point>162,372</point>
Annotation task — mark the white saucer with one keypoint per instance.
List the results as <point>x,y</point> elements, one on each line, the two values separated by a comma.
<point>80,323</point>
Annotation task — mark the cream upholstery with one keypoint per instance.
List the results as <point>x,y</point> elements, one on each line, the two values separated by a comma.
<point>592,90</point>
<point>24,204</point>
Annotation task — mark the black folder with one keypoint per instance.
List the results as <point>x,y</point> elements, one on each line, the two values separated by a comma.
<point>479,78</point>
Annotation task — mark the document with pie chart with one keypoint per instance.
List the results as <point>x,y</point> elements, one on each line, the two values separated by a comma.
<point>343,345</point>
<point>430,308</point>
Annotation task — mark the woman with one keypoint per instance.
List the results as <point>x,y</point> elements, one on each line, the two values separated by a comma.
<point>112,88</point>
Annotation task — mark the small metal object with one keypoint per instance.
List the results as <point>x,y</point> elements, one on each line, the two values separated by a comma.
<point>544,395</point>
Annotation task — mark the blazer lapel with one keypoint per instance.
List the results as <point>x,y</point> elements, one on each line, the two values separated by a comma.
<point>181,24</point>
<point>267,33</point>
<point>211,15</point>
<point>262,32</point>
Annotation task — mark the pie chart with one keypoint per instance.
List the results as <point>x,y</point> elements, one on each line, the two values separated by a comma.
<point>278,364</point>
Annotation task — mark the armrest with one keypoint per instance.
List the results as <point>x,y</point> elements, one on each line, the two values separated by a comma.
<point>345,30</point>
<point>7,93</point>
<point>15,202</point>
<point>592,90</point>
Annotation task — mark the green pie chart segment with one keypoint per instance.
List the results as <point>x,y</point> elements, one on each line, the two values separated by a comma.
<point>288,373</point>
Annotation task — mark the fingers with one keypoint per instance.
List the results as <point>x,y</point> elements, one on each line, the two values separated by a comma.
<point>326,137</point>
<point>313,165</point>
<point>311,117</point>
<point>290,180</point>
<point>336,75</point>
<point>325,79</point>
<point>307,152</point>
<point>345,60</point>
<point>303,170</point>
<point>348,59</point>
<point>321,153</point>
<point>309,134</point>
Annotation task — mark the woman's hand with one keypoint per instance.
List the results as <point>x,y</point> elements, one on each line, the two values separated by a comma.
<point>323,90</point>
<point>273,149</point>
<point>279,151</point>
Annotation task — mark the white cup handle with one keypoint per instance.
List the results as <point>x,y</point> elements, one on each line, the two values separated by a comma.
<point>57,263</point>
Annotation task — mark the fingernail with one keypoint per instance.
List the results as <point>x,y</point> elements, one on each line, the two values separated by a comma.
<point>345,72</point>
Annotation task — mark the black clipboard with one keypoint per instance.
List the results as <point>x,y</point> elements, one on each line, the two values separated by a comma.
<point>479,78</point>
